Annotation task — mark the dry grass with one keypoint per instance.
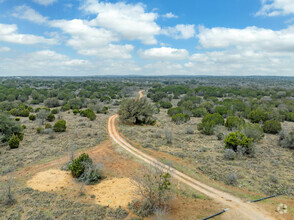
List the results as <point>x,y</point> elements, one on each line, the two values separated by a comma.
<point>270,172</point>
<point>81,133</point>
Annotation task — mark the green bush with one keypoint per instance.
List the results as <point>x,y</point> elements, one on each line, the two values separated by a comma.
<point>48,126</point>
<point>23,127</point>
<point>287,139</point>
<point>253,131</point>
<point>66,107</point>
<point>235,139</point>
<point>174,111</point>
<point>180,118</point>
<point>234,122</point>
<point>76,111</point>
<point>166,105</point>
<point>199,112</point>
<point>13,112</point>
<point>60,126</point>
<point>272,127</point>
<point>222,110</point>
<point>54,111</point>
<point>51,117</point>
<point>32,117</point>
<point>14,142</point>
<point>78,165</point>
<point>209,122</point>
<point>17,119</point>
<point>24,113</point>
<point>89,114</point>
<point>39,130</point>
<point>257,116</point>
<point>290,116</point>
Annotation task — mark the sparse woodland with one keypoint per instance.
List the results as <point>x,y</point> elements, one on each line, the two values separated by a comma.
<point>236,131</point>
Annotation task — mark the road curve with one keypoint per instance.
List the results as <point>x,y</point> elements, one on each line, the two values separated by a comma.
<point>238,209</point>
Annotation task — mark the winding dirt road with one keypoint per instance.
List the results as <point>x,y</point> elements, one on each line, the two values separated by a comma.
<point>238,209</point>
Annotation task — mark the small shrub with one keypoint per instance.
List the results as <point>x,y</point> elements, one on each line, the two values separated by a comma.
<point>220,136</point>
<point>24,113</point>
<point>48,131</point>
<point>51,117</point>
<point>189,130</point>
<point>40,130</point>
<point>23,127</point>
<point>14,142</point>
<point>78,165</point>
<point>13,112</point>
<point>165,105</point>
<point>209,122</point>
<point>234,122</point>
<point>287,139</point>
<point>235,139</point>
<point>54,111</point>
<point>253,131</point>
<point>65,108</point>
<point>222,110</point>
<point>229,154</point>
<point>76,111</point>
<point>17,119</point>
<point>180,118</point>
<point>168,136</point>
<point>257,116</point>
<point>272,127</point>
<point>48,126</point>
<point>32,117</point>
<point>232,179</point>
<point>89,114</point>
<point>199,112</point>
<point>60,126</point>
<point>174,111</point>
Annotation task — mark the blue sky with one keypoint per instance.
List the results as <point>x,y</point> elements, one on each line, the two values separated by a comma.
<point>148,37</point>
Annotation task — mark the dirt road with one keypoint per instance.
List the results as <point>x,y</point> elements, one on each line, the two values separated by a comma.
<point>238,209</point>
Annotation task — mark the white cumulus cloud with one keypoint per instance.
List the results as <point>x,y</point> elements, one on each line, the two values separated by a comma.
<point>27,13</point>
<point>164,53</point>
<point>180,31</point>
<point>276,7</point>
<point>92,41</point>
<point>129,21</point>
<point>8,33</point>
<point>250,37</point>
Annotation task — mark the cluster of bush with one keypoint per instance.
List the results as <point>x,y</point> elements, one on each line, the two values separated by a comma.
<point>11,131</point>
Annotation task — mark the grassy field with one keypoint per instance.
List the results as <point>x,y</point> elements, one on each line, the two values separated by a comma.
<point>81,133</point>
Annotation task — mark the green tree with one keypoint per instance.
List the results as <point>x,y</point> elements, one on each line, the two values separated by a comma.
<point>8,127</point>
<point>136,111</point>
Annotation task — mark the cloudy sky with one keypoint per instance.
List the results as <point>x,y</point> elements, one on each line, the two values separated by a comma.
<point>148,37</point>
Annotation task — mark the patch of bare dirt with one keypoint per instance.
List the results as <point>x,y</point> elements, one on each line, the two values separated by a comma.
<point>113,192</point>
